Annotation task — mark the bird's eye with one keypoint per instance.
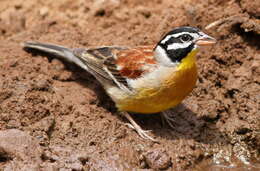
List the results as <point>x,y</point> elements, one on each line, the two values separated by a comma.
<point>185,38</point>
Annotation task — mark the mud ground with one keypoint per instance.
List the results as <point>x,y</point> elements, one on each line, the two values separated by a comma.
<point>54,116</point>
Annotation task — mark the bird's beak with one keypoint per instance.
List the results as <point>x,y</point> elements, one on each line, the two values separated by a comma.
<point>205,40</point>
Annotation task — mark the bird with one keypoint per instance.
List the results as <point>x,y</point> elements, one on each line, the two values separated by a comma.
<point>143,79</point>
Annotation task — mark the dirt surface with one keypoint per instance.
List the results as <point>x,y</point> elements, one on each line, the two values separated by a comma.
<point>63,113</point>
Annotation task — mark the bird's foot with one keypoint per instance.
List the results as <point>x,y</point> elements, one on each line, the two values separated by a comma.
<point>142,133</point>
<point>167,116</point>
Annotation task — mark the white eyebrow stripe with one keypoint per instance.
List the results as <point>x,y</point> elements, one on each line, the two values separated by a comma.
<point>178,45</point>
<point>166,38</point>
<point>194,35</point>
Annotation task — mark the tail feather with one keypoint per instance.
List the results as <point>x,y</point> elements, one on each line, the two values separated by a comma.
<point>48,48</point>
<point>60,51</point>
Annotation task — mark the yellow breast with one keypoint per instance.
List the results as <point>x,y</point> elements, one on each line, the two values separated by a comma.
<point>174,88</point>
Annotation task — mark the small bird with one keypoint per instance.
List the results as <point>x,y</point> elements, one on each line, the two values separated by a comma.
<point>143,79</point>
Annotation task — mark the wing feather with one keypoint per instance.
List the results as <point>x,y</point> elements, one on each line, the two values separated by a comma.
<point>101,62</point>
<point>116,64</point>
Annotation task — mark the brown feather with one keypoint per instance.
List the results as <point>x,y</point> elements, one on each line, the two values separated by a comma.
<point>121,63</point>
<point>132,61</point>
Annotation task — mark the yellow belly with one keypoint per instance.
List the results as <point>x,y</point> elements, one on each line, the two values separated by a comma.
<point>173,90</point>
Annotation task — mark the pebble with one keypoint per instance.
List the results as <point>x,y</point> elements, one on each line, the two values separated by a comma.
<point>157,159</point>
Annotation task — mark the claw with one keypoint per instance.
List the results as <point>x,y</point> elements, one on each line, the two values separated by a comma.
<point>129,125</point>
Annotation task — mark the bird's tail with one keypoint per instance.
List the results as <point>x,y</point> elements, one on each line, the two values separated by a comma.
<point>59,51</point>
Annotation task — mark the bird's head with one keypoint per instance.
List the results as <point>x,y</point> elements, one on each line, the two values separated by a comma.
<point>178,43</point>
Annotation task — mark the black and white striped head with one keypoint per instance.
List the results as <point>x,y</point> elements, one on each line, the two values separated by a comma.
<point>178,43</point>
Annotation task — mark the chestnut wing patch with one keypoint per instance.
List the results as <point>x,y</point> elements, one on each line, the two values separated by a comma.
<point>130,64</point>
<point>110,64</point>
<point>135,62</point>
<point>117,64</point>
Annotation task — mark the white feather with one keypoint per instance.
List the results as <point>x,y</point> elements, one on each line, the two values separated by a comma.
<point>153,79</point>
<point>194,35</point>
<point>162,57</point>
<point>178,45</point>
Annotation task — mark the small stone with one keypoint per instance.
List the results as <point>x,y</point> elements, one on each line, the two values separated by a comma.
<point>17,144</point>
<point>157,159</point>
<point>44,11</point>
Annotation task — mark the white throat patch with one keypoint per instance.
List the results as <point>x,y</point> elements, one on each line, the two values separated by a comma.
<point>162,57</point>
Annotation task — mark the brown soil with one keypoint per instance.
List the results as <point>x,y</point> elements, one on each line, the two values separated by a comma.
<point>76,126</point>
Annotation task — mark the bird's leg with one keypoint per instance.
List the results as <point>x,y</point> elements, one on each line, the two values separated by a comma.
<point>136,127</point>
<point>167,116</point>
